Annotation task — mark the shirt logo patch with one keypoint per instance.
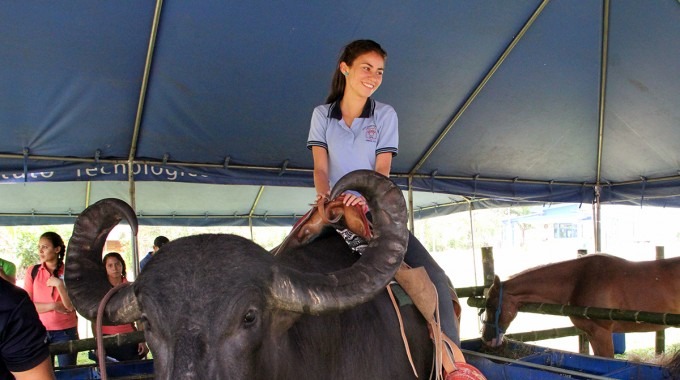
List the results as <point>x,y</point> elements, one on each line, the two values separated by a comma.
<point>371,133</point>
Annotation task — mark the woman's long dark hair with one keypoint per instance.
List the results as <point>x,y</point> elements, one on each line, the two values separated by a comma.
<point>353,50</point>
<point>120,258</point>
<point>57,241</point>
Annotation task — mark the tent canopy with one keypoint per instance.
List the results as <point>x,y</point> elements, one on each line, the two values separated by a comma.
<point>208,103</point>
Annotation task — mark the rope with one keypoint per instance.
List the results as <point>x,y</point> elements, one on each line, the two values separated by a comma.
<point>498,312</point>
<point>101,354</point>
<point>401,328</point>
<point>437,337</point>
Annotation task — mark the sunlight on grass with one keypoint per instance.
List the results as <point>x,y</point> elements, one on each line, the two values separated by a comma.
<point>83,358</point>
<point>648,355</point>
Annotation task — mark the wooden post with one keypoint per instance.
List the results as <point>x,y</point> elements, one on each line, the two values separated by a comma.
<point>110,341</point>
<point>488,267</point>
<point>660,335</point>
<point>583,343</point>
<point>472,291</point>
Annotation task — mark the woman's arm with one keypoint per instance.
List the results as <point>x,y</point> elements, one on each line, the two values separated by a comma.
<point>383,163</point>
<point>42,371</point>
<point>65,299</point>
<point>142,347</point>
<point>44,307</point>
<point>321,183</point>
<point>61,288</point>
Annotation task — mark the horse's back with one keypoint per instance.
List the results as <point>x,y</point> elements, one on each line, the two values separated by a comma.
<point>613,282</point>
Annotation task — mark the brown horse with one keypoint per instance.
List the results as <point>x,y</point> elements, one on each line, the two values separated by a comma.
<point>595,280</point>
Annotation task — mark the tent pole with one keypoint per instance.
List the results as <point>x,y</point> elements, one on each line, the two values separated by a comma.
<point>138,122</point>
<point>472,240</point>
<point>133,203</point>
<point>411,221</point>
<point>515,40</point>
<point>596,220</point>
<point>604,53</point>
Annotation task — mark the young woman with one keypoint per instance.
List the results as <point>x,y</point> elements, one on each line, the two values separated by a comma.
<point>115,271</point>
<point>353,131</point>
<point>47,291</point>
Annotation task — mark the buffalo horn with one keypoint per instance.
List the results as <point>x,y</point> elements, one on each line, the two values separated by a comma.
<point>85,274</point>
<point>315,293</point>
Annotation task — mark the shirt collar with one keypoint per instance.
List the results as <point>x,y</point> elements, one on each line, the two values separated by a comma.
<point>44,267</point>
<point>369,108</point>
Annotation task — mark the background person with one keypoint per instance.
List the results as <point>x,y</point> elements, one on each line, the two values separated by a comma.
<point>115,271</point>
<point>351,132</point>
<point>24,354</point>
<point>48,293</point>
<point>158,242</point>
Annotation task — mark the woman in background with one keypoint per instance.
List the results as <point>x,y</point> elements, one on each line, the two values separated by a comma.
<point>45,286</point>
<point>115,271</point>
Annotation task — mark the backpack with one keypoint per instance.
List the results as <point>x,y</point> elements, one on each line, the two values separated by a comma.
<point>34,271</point>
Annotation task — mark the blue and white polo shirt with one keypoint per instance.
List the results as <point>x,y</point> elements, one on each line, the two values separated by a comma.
<point>375,131</point>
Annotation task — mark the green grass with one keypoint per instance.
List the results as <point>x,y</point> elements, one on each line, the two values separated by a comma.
<point>83,359</point>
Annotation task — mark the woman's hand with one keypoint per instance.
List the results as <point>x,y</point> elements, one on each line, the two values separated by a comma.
<point>58,284</point>
<point>350,199</point>
<point>61,309</point>
<point>142,349</point>
<point>64,306</point>
<point>55,282</point>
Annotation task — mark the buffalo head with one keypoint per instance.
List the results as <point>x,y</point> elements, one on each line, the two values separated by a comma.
<point>212,305</point>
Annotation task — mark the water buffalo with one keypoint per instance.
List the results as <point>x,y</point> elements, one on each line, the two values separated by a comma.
<point>220,307</point>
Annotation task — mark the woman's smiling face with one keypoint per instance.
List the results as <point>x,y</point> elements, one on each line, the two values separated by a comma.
<point>365,74</point>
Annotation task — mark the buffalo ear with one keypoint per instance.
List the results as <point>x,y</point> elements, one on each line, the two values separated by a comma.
<point>282,320</point>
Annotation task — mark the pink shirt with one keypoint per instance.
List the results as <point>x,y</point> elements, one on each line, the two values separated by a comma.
<point>119,329</point>
<point>39,292</point>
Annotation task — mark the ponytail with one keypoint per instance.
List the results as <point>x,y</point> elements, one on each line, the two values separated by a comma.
<point>60,263</point>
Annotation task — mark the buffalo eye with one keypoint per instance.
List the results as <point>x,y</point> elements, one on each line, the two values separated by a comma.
<point>249,318</point>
